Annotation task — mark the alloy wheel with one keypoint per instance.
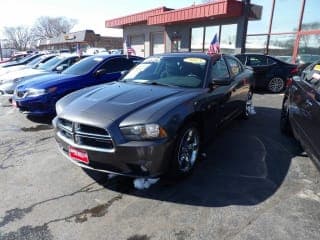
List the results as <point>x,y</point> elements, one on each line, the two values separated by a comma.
<point>188,149</point>
<point>276,85</point>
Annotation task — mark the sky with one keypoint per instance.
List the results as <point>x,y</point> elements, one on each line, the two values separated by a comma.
<point>90,14</point>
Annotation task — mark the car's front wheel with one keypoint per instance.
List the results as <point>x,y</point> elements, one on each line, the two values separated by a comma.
<point>276,85</point>
<point>186,152</point>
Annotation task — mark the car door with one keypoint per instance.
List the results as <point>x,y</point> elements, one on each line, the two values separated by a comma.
<point>260,66</point>
<point>238,89</point>
<point>216,100</point>
<point>112,68</point>
<point>305,97</point>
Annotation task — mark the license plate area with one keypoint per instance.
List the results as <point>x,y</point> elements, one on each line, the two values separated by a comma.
<point>78,155</point>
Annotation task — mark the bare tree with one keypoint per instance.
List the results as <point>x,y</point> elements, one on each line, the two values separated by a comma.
<point>20,37</point>
<point>48,27</point>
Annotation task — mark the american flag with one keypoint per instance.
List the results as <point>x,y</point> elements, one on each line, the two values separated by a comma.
<point>128,49</point>
<point>214,46</point>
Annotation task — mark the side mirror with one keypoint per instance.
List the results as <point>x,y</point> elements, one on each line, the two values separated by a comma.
<point>220,81</point>
<point>100,72</point>
<point>60,68</point>
<point>124,72</point>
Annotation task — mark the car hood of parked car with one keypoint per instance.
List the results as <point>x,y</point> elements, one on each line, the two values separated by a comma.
<point>114,102</point>
<point>21,74</point>
<point>47,81</point>
<point>6,70</point>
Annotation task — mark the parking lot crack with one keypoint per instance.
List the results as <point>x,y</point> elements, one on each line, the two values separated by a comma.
<point>19,213</point>
<point>97,211</point>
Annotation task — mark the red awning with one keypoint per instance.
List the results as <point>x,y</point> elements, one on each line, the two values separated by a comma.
<point>214,10</point>
<point>134,18</point>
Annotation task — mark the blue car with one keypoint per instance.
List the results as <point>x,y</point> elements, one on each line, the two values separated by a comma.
<point>38,96</point>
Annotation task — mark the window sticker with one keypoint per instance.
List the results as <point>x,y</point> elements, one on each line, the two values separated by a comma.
<point>98,59</point>
<point>317,67</point>
<point>194,60</point>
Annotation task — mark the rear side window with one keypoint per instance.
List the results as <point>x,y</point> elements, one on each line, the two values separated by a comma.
<point>242,58</point>
<point>234,65</point>
<point>219,70</point>
<point>270,61</point>
<point>257,60</point>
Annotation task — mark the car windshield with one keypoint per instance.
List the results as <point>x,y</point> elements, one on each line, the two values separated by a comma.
<point>35,61</point>
<point>175,71</point>
<point>47,66</point>
<point>26,59</point>
<point>84,66</point>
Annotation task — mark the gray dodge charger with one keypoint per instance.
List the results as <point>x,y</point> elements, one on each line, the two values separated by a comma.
<point>156,118</point>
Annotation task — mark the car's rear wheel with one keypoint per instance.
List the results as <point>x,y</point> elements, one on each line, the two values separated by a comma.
<point>186,152</point>
<point>285,125</point>
<point>276,85</point>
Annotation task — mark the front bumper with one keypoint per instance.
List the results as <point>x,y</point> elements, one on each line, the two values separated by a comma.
<point>135,158</point>
<point>39,106</point>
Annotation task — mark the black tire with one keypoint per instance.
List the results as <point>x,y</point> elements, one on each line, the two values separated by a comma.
<point>285,125</point>
<point>276,85</point>
<point>186,151</point>
<point>247,106</point>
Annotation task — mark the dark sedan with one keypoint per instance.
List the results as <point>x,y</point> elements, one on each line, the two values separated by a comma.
<point>269,73</point>
<point>301,110</point>
<point>155,119</point>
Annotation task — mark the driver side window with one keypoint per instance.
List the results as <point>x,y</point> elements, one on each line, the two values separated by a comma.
<point>219,70</point>
<point>117,65</point>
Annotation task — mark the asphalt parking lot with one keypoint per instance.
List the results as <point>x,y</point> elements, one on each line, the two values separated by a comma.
<point>254,184</point>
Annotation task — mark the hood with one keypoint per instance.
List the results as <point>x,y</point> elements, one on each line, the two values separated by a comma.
<point>46,81</point>
<point>11,69</point>
<point>20,74</point>
<point>113,102</point>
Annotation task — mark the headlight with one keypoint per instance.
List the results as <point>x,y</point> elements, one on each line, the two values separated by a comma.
<point>32,92</point>
<point>143,132</point>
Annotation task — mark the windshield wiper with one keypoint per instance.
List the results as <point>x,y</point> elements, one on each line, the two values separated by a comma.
<point>161,84</point>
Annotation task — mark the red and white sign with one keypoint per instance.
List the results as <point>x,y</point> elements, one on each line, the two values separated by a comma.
<point>78,155</point>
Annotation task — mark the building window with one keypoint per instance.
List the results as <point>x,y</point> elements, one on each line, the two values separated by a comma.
<point>309,50</point>
<point>197,39</point>
<point>256,44</point>
<point>281,45</point>
<point>262,25</point>
<point>228,38</point>
<point>210,32</point>
<point>283,22</point>
<point>311,17</point>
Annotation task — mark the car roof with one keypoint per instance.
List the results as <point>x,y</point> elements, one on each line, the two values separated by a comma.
<point>190,54</point>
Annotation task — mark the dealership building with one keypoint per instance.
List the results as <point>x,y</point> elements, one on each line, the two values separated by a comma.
<point>85,39</point>
<point>288,28</point>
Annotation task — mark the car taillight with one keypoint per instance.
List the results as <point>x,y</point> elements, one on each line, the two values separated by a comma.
<point>294,70</point>
<point>289,82</point>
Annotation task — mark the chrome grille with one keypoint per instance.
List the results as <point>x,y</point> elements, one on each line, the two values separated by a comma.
<point>85,136</point>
